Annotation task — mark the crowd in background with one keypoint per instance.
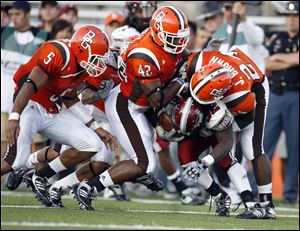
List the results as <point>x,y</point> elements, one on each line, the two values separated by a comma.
<point>275,52</point>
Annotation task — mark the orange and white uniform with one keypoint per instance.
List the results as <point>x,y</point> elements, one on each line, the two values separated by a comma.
<point>43,113</point>
<point>142,62</point>
<point>248,94</point>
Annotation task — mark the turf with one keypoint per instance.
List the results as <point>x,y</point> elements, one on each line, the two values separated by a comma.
<point>20,210</point>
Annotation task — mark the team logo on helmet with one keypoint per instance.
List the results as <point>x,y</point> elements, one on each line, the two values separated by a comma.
<point>87,39</point>
<point>158,20</point>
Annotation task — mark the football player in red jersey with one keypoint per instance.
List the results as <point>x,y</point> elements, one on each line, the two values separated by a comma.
<point>249,86</point>
<point>144,67</point>
<point>54,73</point>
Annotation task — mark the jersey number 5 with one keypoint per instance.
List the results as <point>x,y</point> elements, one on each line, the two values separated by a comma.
<point>49,58</point>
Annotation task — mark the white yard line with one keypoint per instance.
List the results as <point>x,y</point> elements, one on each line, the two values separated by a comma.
<point>145,201</point>
<point>99,226</point>
<point>140,211</point>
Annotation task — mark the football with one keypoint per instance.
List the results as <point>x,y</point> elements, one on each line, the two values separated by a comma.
<point>165,121</point>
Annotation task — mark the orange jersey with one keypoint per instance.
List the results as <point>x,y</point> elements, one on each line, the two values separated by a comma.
<point>57,61</point>
<point>144,61</point>
<point>111,73</point>
<point>239,98</point>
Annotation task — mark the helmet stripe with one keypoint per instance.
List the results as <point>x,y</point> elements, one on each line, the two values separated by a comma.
<point>209,77</point>
<point>179,16</point>
<point>185,114</point>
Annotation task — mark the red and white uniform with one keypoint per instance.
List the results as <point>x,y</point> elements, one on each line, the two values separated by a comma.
<point>42,114</point>
<point>240,99</point>
<point>143,61</point>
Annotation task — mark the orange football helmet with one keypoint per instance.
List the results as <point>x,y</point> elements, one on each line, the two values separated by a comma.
<point>209,84</point>
<point>90,45</point>
<point>170,29</point>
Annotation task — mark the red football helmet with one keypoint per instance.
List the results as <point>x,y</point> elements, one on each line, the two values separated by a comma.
<point>187,115</point>
<point>209,84</point>
<point>170,29</point>
<point>90,45</point>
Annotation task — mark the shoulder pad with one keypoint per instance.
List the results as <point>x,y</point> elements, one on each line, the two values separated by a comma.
<point>219,117</point>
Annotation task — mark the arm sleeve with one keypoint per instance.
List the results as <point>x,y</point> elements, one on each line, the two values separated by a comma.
<point>262,97</point>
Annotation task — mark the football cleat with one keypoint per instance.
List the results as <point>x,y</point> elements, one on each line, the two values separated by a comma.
<point>83,195</point>
<point>192,196</point>
<point>15,178</point>
<point>119,192</point>
<point>150,182</point>
<point>41,189</point>
<point>55,196</point>
<point>252,211</point>
<point>222,202</point>
<point>270,210</point>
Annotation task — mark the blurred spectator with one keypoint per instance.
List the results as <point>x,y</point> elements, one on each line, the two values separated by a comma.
<point>62,29</point>
<point>69,13</point>
<point>212,16</point>
<point>249,37</point>
<point>48,14</point>
<point>113,21</point>
<point>139,14</point>
<point>18,44</point>
<point>5,20</point>
<point>193,34</point>
<point>202,38</point>
<point>283,108</point>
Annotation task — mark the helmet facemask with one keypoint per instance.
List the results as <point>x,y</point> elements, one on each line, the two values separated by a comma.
<point>96,64</point>
<point>175,43</point>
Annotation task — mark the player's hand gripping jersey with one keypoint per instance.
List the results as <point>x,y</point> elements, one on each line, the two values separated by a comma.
<point>245,74</point>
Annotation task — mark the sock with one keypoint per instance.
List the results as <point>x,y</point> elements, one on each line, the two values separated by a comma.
<point>177,181</point>
<point>214,189</point>
<point>105,179</point>
<point>57,165</point>
<point>238,177</point>
<point>32,160</point>
<point>67,182</point>
<point>95,182</point>
<point>205,180</point>
<point>247,196</point>
<point>47,172</point>
<point>265,193</point>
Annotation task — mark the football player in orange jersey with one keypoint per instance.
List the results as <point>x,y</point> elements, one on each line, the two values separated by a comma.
<point>249,86</point>
<point>53,73</point>
<point>146,68</point>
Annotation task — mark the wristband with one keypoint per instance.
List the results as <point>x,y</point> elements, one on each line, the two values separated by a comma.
<point>14,116</point>
<point>208,160</point>
<point>95,125</point>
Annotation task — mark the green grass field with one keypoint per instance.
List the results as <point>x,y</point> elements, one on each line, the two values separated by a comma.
<point>20,210</point>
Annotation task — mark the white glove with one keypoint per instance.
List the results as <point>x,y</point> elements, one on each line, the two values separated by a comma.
<point>193,170</point>
<point>168,135</point>
<point>104,88</point>
<point>215,44</point>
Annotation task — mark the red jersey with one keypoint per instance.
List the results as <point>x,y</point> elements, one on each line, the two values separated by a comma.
<point>111,73</point>
<point>58,62</point>
<point>144,61</point>
<point>239,98</point>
